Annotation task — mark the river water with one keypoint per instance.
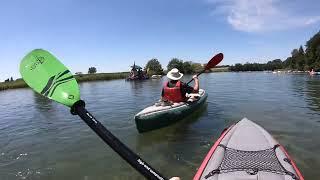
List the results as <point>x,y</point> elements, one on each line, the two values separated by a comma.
<point>40,139</point>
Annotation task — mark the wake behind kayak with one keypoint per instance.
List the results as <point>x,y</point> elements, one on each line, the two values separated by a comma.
<point>247,151</point>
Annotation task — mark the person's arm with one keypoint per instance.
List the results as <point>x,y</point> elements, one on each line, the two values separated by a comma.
<point>162,98</point>
<point>188,89</point>
<point>196,84</point>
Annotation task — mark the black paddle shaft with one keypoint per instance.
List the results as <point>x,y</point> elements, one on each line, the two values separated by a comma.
<point>197,75</point>
<point>132,158</point>
<point>212,63</point>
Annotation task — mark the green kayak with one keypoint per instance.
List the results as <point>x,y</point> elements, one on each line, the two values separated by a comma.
<point>155,116</point>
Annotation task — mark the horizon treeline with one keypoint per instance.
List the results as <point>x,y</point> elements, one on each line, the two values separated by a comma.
<point>301,59</point>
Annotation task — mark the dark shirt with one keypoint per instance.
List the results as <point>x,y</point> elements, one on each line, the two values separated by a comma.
<point>184,88</point>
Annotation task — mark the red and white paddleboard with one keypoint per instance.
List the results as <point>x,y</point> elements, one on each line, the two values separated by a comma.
<point>245,151</point>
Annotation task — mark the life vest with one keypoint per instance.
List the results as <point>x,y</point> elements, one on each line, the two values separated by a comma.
<point>173,94</point>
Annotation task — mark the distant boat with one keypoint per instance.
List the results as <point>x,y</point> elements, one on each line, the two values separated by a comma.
<point>137,73</point>
<point>156,76</point>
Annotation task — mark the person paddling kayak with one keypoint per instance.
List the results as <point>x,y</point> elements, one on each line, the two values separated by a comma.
<point>175,90</point>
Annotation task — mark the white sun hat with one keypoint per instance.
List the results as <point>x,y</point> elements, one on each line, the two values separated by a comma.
<point>174,74</point>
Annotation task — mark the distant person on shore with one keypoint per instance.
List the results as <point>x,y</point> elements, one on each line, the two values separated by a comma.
<point>175,90</point>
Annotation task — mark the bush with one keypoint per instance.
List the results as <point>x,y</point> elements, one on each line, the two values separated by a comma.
<point>175,63</point>
<point>153,67</point>
<point>92,70</point>
<point>187,67</point>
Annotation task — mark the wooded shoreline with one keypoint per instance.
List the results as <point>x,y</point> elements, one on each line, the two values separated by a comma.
<point>19,83</point>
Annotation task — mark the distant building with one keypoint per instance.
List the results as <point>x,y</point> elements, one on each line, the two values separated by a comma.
<point>79,73</point>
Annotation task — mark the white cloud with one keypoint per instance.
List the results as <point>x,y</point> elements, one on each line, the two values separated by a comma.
<point>259,15</point>
<point>313,20</point>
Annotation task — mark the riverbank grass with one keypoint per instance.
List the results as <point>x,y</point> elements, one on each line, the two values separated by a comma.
<point>220,69</point>
<point>19,83</point>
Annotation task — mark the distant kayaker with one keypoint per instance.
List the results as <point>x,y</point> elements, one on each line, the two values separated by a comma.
<point>175,90</point>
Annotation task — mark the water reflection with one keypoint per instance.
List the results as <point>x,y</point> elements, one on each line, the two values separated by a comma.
<point>313,93</point>
<point>136,85</point>
<point>308,88</point>
<point>41,103</point>
<point>176,132</point>
<point>288,106</point>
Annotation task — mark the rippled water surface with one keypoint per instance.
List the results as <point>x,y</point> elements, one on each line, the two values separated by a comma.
<point>40,139</point>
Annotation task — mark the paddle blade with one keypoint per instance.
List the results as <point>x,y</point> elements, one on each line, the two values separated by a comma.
<point>214,61</point>
<point>45,74</point>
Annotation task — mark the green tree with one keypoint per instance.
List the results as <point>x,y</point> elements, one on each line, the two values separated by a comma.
<point>297,59</point>
<point>238,67</point>
<point>288,63</point>
<point>294,54</point>
<point>196,67</point>
<point>273,65</point>
<point>92,70</point>
<point>187,67</point>
<point>300,59</point>
<point>153,67</point>
<point>312,53</point>
<point>175,63</point>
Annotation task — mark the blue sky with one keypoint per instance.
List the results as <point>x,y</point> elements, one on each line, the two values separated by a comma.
<point>111,34</point>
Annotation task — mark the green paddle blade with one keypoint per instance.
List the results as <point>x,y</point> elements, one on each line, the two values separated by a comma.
<point>45,74</point>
